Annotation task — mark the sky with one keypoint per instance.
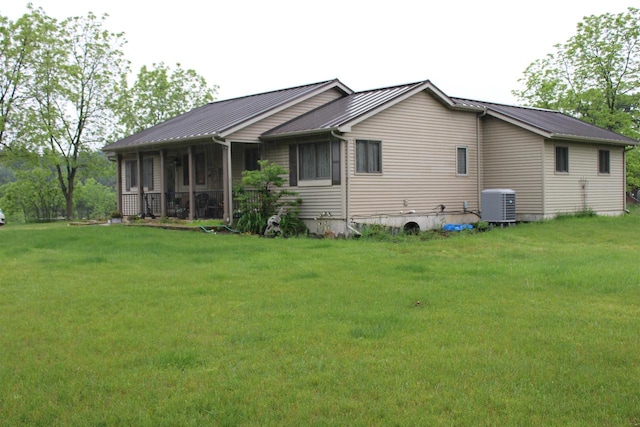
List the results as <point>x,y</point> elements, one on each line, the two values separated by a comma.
<point>470,49</point>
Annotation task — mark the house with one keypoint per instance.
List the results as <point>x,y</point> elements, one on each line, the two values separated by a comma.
<point>407,156</point>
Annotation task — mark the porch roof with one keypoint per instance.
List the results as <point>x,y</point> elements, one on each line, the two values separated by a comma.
<point>222,117</point>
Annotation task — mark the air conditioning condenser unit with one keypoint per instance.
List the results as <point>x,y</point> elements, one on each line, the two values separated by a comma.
<point>498,205</point>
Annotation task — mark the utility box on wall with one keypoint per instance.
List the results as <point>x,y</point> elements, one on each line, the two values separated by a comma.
<point>498,206</point>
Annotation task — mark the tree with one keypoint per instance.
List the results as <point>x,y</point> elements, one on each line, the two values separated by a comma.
<point>35,195</point>
<point>74,77</point>
<point>159,94</point>
<point>94,200</point>
<point>18,42</point>
<point>594,76</point>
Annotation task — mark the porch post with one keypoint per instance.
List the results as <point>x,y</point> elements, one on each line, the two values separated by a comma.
<point>192,183</point>
<point>119,183</point>
<point>163,183</point>
<point>140,185</point>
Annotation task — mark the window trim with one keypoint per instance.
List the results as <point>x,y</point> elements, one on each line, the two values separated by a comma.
<point>466,160</point>
<point>607,169</point>
<point>368,143</point>
<point>564,169</point>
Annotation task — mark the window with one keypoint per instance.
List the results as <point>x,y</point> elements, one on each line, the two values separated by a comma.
<point>604,159</point>
<point>131,174</point>
<point>368,156</point>
<point>562,159</point>
<point>461,161</point>
<point>147,173</point>
<point>314,161</point>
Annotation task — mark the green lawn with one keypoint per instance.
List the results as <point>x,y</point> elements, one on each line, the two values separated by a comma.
<point>537,324</point>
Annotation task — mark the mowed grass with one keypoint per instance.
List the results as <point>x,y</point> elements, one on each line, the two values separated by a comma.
<point>537,324</point>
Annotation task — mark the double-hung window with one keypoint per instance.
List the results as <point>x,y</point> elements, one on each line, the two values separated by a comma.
<point>314,161</point>
<point>562,159</point>
<point>604,161</point>
<point>368,156</point>
<point>131,174</point>
<point>462,164</point>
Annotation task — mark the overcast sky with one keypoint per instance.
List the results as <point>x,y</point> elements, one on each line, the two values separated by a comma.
<point>473,49</point>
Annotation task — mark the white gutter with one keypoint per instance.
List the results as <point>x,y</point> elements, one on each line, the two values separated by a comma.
<point>347,181</point>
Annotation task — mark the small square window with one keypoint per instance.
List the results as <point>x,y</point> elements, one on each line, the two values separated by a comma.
<point>604,161</point>
<point>562,159</point>
<point>368,156</point>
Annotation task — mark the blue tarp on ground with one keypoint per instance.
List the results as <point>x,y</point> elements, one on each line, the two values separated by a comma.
<point>457,227</point>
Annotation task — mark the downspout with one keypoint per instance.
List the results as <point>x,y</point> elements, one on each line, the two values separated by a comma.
<point>228,191</point>
<point>478,154</point>
<point>347,181</point>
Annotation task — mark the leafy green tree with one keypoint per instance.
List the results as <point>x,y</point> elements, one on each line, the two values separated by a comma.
<point>19,41</point>
<point>94,200</point>
<point>35,195</point>
<point>594,76</point>
<point>74,77</point>
<point>159,94</point>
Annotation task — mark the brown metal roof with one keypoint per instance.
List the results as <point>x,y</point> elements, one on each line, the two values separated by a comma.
<point>217,117</point>
<point>553,124</point>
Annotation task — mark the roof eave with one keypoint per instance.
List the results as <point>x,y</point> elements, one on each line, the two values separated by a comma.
<point>304,133</point>
<point>593,140</point>
<point>156,144</point>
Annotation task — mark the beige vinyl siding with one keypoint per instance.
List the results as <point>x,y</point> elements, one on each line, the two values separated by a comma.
<point>327,198</point>
<point>419,137</point>
<point>583,187</point>
<point>512,159</point>
<point>251,133</point>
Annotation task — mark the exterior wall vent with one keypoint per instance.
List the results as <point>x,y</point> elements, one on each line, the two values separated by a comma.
<point>498,206</point>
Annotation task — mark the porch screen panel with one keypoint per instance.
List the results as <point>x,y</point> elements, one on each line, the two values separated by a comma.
<point>293,165</point>
<point>147,172</point>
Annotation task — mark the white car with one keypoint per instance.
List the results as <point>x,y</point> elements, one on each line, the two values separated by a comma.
<point>1,217</point>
